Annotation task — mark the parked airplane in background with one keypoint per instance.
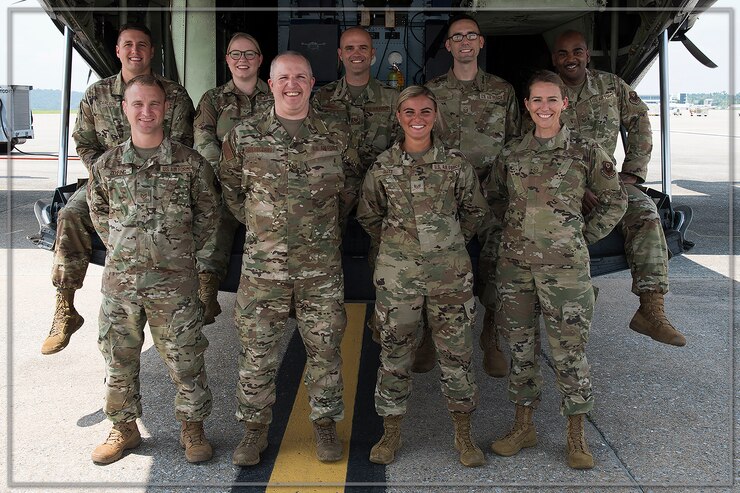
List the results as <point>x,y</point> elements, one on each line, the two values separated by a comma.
<point>410,33</point>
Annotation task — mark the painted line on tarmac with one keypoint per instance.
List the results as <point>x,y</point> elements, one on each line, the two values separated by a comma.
<point>296,462</point>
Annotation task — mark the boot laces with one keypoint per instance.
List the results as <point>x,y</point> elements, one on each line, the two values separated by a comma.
<point>193,435</point>
<point>60,316</point>
<point>389,437</point>
<point>327,433</point>
<point>252,436</point>
<point>115,436</point>
<point>463,433</point>
<point>576,439</point>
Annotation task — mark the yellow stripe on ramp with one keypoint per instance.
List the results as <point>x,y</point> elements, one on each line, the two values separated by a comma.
<point>296,462</point>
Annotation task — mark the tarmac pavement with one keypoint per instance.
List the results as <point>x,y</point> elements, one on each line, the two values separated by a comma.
<point>665,418</point>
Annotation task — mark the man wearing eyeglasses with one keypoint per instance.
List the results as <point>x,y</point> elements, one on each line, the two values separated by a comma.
<point>102,125</point>
<point>218,111</point>
<point>480,114</point>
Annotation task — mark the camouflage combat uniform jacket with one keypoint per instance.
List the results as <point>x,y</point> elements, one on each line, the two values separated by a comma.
<point>288,192</point>
<point>422,213</point>
<point>219,110</point>
<point>102,125</point>
<point>535,194</point>
<point>152,216</point>
<point>605,102</point>
<point>478,120</point>
<point>371,118</point>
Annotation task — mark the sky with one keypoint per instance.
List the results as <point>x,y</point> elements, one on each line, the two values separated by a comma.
<point>38,60</point>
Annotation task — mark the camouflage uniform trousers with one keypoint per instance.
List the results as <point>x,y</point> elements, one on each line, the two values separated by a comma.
<point>175,324</point>
<point>73,247</point>
<point>644,243</point>
<point>450,317</point>
<point>566,299</point>
<point>215,255</point>
<point>262,307</point>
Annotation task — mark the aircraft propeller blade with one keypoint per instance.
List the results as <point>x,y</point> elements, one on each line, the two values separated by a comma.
<point>695,51</point>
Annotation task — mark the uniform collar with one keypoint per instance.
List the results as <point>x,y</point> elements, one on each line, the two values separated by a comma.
<point>162,156</point>
<point>478,82</point>
<point>435,154</point>
<point>368,94</point>
<point>118,84</point>
<point>312,125</point>
<point>560,141</point>
<point>261,87</point>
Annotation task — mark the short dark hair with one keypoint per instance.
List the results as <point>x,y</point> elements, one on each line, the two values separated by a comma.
<point>545,76</point>
<point>461,17</point>
<point>145,80</point>
<point>134,26</point>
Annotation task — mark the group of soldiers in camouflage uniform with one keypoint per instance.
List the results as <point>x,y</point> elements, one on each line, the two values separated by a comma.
<point>417,166</point>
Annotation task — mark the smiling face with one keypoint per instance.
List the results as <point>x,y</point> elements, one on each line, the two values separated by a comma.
<point>465,51</point>
<point>545,103</point>
<point>291,82</point>
<point>144,107</point>
<point>242,68</point>
<point>416,116</point>
<point>356,51</point>
<point>134,49</point>
<point>570,58</point>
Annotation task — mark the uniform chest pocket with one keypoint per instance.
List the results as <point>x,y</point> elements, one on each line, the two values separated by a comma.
<point>325,177</point>
<point>607,106</point>
<point>568,182</point>
<point>121,199</point>
<point>171,194</point>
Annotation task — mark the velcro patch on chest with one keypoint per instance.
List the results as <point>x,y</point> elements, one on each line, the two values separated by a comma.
<point>176,168</point>
<point>108,103</point>
<point>257,149</point>
<point>445,167</point>
<point>120,172</point>
<point>377,109</point>
<point>322,148</point>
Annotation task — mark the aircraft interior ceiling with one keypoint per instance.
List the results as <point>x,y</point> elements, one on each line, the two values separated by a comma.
<point>409,33</point>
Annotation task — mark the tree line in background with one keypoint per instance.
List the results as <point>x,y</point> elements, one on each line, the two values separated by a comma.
<point>51,99</point>
<point>719,99</point>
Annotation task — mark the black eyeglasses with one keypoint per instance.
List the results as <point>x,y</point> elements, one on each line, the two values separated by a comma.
<point>248,54</point>
<point>459,37</point>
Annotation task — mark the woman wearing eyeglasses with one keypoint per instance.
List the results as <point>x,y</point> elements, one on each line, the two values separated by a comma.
<point>218,111</point>
<point>421,203</point>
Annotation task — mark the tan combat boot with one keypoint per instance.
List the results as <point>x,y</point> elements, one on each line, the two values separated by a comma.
<point>208,294</point>
<point>122,436</point>
<point>522,434</point>
<point>651,320</point>
<point>470,454</point>
<point>384,452</point>
<point>494,361</point>
<point>194,441</point>
<point>579,457</point>
<point>328,445</point>
<point>425,356</point>
<point>66,322</point>
<point>248,451</point>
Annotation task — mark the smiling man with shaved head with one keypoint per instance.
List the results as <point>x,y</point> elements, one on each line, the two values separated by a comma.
<point>599,103</point>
